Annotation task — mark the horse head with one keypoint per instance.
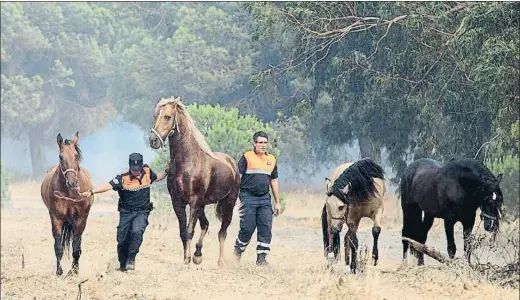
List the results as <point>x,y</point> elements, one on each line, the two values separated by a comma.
<point>490,210</point>
<point>70,156</point>
<point>336,209</point>
<point>165,122</point>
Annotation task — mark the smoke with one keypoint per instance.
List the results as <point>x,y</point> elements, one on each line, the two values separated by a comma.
<point>105,153</point>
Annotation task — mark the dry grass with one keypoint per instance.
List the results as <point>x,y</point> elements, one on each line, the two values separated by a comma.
<point>297,264</point>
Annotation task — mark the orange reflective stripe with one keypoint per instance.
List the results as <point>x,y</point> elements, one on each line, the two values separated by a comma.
<point>259,164</point>
<point>131,183</point>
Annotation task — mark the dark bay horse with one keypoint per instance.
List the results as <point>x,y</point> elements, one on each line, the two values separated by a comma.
<point>452,192</point>
<point>197,176</point>
<point>67,209</point>
<point>363,188</point>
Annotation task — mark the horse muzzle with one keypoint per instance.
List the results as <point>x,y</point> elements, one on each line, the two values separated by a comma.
<point>336,224</point>
<point>155,141</point>
<point>491,223</point>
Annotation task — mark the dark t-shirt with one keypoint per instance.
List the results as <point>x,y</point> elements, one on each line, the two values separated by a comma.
<point>134,192</point>
<point>255,184</point>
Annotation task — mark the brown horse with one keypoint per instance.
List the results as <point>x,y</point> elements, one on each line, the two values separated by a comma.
<point>68,210</point>
<point>197,176</point>
<point>365,191</point>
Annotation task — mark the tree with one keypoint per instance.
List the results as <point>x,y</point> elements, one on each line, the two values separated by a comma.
<point>61,88</point>
<point>414,78</point>
<point>200,57</point>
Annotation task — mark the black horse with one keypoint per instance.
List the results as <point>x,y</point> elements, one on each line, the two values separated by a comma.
<point>452,192</point>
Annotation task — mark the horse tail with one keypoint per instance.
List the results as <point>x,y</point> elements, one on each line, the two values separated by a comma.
<point>66,237</point>
<point>405,186</point>
<point>218,210</point>
<point>325,230</point>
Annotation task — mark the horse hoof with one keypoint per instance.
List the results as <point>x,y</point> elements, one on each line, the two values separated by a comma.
<point>59,272</point>
<point>221,263</point>
<point>197,260</point>
<point>187,260</point>
<point>72,272</point>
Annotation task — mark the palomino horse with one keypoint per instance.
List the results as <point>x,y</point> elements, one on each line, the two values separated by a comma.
<point>197,176</point>
<point>362,197</point>
<point>452,192</point>
<point>68,210</point>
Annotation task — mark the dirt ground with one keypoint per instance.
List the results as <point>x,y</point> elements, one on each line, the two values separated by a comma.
<point>296,271</point>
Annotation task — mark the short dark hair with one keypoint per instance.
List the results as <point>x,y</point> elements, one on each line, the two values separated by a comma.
<point>259,134</point>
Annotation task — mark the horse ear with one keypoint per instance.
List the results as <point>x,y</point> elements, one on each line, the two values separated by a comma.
<point>177,100</point>
<point>59,139</point>
<point>499,179</point>
<point>76,138</point>
<point>346,189</point>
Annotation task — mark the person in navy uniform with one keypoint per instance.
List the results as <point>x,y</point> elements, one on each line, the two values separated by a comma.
<point>258,172</point>
<point>133,187</point>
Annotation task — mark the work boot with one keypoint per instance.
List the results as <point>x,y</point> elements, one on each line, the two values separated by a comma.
<point>122,267</point>
<point>130,262</point>
<point>260,260</point>
<point>237,254</point>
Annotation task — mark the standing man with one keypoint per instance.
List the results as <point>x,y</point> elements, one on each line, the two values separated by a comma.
<point>133,187</point>
<point>258,171</point>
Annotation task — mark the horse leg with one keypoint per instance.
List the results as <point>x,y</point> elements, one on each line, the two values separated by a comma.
<point>79,226</point>
<point>226,215</point>
<point>180,212</point>
<point>467,228</point>
<point>192,222</point>
<point>353,242</point>
<point>57,231</point>
<point>204,225</point>
<point>376,230</point>
<point>412,223</point>
<point>426,226</point>
<point>448,228</point>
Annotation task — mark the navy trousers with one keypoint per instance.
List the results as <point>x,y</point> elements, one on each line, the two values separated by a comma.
<point>256,212</point>
<point>130,230</point>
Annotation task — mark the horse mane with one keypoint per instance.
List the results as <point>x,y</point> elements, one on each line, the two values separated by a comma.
<point>192,129</point>
<point>360,177</point>
<point>478,170</point>
<point>78,150</point>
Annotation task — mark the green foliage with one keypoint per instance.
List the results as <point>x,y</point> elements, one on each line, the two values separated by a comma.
<point>6,198</point>
<point>54,69</point>
<point>510,184</point>
<point>201,57</point>
<point>429,79</point>
<point>508,163</point>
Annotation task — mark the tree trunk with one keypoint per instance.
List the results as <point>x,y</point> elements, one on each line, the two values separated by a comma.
<point>35,151</point>
<point>368,149</point>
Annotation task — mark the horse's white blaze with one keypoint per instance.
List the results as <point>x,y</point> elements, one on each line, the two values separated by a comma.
<point>494,196</point>
<point>158,118</point>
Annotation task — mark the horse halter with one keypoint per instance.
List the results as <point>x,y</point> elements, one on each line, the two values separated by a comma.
<point>163,141</point>
<point>484,215</point>
<point>338,219</point>
<point>67,171</point>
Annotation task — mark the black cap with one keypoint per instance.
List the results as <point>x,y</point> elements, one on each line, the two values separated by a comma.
<point>136,162</point>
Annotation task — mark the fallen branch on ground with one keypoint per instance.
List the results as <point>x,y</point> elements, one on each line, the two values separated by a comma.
<point>430,251</point>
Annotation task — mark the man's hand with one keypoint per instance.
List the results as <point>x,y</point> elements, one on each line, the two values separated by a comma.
<point>87,194</point>
<point>277,209</point>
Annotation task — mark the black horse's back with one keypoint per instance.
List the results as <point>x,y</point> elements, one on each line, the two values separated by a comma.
<point>419,170</point>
